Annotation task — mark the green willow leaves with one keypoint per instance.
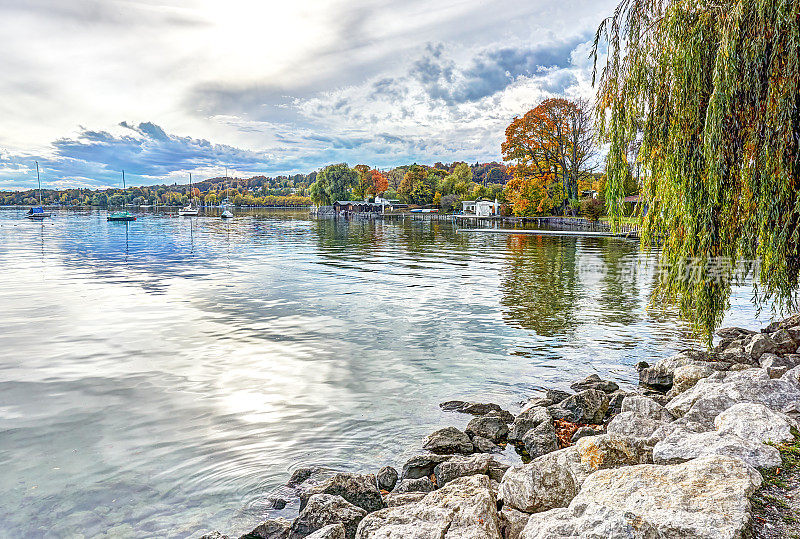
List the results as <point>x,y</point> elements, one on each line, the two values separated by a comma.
<point>709,89</point>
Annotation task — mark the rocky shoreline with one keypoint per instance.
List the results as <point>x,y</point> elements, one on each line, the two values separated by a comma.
<point>703,448</point>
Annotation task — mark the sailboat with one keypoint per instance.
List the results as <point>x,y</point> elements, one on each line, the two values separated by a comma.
<point>38,213</point>
<point>121,215</point>
<point>226,213</point>
<point>190,210</point>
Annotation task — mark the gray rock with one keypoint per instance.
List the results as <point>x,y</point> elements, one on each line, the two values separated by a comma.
<point>275,502</point>
<point>490,427</point>
<point>687,376</point>
<point>794,333</point>
<point>736,354</point>
<point>615,402</point>
<point>423,484</point>
<point>631,424</point>
<point>715,394</point>
<point>485,445</point>
<point>386,478</point>
<point>477,408</point>
<point>682,446</point>
<point>447,441</point>
<point>214,535</point>
<point>358,489</point>
<point>760,343</point>
<point>784,342</point>
<point>462,466</point>
<point>497,470</point>
<point>525,421</point>
<point>552,480</point>
<point>733,333</point>
<point>593,381</point>
<point>465,508</point>
<point>705,498</point>
<point>756,423</point>
<point>301,475</point>
<point>274,528</point>
<point>646,407</point>
<point>786,323</point>
<point>323,510</point>
<point>421,465</point>
<point>332,531</point>
<point>555,395</point>
<point>540,440</point>
<point>792,377</point>
<point>512,522</point>
<point>660,376</point>
<point>587,406</point>
<point>395,499</point>
<point>583,432</point>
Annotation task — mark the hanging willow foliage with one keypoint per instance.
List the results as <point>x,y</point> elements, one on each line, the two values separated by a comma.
<point>711,89</point>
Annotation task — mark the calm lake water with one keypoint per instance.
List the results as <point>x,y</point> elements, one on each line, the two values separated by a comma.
<point>160,378</point>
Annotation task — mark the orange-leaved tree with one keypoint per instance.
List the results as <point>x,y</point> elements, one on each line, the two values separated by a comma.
<point>380,183</point>
<point>552,149</point>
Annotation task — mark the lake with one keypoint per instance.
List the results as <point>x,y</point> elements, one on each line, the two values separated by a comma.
<point>160,378</point>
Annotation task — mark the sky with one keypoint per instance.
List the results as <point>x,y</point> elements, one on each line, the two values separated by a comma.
<point>162,88</point>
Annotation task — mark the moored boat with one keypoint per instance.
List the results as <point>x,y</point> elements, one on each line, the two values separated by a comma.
<point>121,216</point>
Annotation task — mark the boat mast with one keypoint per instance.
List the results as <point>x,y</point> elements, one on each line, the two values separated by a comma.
<point>39,181</point>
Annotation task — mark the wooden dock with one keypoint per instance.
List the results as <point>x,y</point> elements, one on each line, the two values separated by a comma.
<point>602,234</point>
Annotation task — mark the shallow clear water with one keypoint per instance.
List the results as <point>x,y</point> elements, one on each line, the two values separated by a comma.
<point>159,378</point>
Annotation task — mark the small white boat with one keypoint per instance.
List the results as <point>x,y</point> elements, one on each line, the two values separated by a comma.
<point>189,211</point>
<point>227,214</point>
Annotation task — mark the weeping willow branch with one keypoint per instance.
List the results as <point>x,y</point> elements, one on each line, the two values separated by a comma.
<point>712,89</point>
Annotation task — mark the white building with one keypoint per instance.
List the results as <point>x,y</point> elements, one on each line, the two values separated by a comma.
<point>480,208</point>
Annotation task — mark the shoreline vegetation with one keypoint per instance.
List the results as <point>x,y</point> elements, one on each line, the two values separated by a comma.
<point>707,446</point>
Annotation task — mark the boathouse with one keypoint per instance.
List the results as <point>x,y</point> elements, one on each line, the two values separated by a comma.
<point>348,207</point>
<point>480,208</point>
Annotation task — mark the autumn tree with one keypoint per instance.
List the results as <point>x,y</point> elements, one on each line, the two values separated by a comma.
<point>552,143</point>
<point>380,183</point>
<point>458,183</point>
<point>712,90</point>
<point>363,183</point>
<point>418,185</point>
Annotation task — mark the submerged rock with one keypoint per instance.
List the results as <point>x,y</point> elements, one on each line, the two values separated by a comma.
<point>447,441</point>
<point>465,508</point>
<point>323,510</point>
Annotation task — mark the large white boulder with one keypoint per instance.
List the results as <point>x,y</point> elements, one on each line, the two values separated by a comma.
<point>705,498</point>
<point>681,446</point>
<point>465,508</point>
<point>755,422</point>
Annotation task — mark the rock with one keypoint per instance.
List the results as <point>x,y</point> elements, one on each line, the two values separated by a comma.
<point>447,441</point>
<point>555,395</point>
<point>477,408</point>
<point>772,362</point>
<point>497,470</point>
<point>552,480</point>
<point>758,344</point>
<point>687,376</point>
<point>422,465</point>
<point>525,421</point>
<point>214,535</point>
<point>512,522</point>
<point>358,489</point>
<point>301,475</point>
<point>682,446</point>
<point>734,333</point>
<point>705,498</point>
<point>465,508</point>
<point>332,531</point>
<point>631,424</point>
<point>323,510</point>
<point>274,502</point>
<point>588,406</point>
<point>792,376</point>
<point>646,407</point>
<point>794,333</point>
<point>423,484</point>
<point>386,478</point>
<point>786,323</point>
<point>583,432</point>
<point>615,402</point>
<point>715,394</point>
<point>394,499</point>
<point>541,439</point>
<point>587,520</point>
<point>777,372</point>
<point>490,427</point>
<point>735,354</point>
<point>755,422</point>
<point>485,445</point>
<point>274,528</point>
<point>461,467</point>
<point>593,381</point>
<point>784,342</point>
